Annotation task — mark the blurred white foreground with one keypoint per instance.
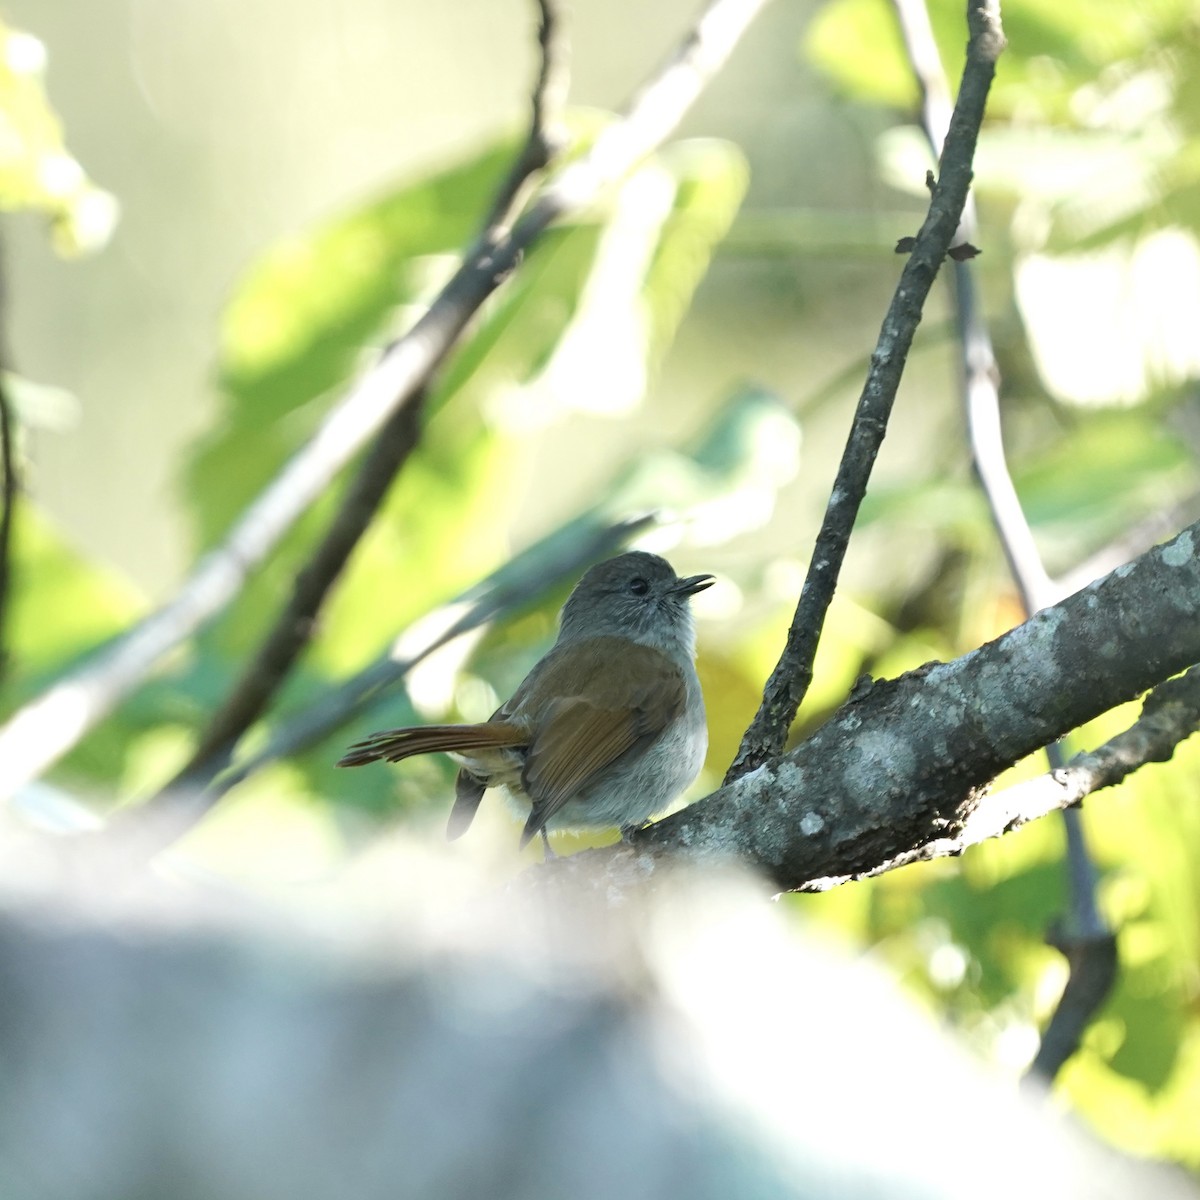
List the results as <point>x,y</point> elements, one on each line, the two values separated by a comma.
<point>415,1030</point>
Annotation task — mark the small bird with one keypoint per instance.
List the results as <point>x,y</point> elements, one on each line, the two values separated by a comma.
<point>607,728</point>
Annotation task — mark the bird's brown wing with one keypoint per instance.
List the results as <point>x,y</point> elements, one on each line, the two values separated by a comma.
<point>632,693</point>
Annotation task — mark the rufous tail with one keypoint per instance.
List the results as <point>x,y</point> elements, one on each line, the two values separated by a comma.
<point>395,744</point>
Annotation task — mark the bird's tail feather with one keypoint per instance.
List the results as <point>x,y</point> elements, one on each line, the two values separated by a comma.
<point>395,744</point>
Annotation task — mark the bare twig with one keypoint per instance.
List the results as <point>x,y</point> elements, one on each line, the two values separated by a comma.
<point>1092,964</point>
<point>792,675</point>
<point>981,400</point>
<point>1131,542</point>
<point>11,487</point>
<point>980,391</point>
<point>41,732</point>
<point>174,811</point>
<point>390,450</point>
<point>547,131</point>
<point>294,625</point>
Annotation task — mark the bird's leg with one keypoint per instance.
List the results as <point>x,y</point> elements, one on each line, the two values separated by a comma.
<point>549,854</point>
<point>628,831</point>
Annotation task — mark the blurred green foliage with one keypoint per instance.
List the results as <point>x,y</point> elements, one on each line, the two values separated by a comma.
<point>36,171</point>
<point>1092,148</point>
<point>1087,162</point>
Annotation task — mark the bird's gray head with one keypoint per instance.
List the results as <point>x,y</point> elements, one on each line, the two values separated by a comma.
<point>638,596</point>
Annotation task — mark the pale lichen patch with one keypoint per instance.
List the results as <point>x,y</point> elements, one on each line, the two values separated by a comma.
<point>811,824</point>
<point>1180,552</point>
<point>881,759</point>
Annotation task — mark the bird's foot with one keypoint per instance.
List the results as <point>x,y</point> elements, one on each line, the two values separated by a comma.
<point>628,832</point>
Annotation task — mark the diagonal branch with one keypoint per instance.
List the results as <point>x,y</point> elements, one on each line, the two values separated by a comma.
<point>1085,936</point>
<point>293,627</point>
<point>44,730</point>
<point>390,450</point>
<point>905,762</point>
<point>1170,715</point>
<point>556,558</point>
<point>547,130</point>
<point>789,681</point>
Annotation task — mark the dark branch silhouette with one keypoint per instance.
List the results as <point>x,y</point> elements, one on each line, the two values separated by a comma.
<point>789,682</point>
<point>10,484</point>
<point>391,449</point>
<point>46,728</point>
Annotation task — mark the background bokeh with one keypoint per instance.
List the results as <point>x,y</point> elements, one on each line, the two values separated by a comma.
<point>293,180</point>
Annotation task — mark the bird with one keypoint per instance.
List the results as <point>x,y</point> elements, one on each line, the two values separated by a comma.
<point>607,729</point>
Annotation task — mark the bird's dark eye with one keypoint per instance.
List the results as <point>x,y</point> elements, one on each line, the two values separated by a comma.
<point>638,586</point>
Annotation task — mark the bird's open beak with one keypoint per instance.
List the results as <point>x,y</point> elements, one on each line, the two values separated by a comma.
<point>693,584</point>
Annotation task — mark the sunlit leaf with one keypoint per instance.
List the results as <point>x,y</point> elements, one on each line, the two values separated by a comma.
<point>62,604</point>
<point>36,170</point>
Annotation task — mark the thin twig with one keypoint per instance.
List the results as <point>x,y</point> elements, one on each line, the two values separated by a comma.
<point>789,681</point>
<point>1092,964</point>
<point>1129,543</point>
<point>981,377</point>
<point>518,583</point>
<point>293,627</point>
<point>981,401</point>
<point>44,730</point>
<point>547,128</point>
<point>11,488</point>
<point>390,450</point>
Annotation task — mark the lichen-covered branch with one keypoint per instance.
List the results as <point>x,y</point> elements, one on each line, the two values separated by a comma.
<point>905,762</point>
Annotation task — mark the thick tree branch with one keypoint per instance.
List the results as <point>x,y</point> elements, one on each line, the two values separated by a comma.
<point>790,680</point>
<point>905,762</point>
<point>41,732</point>
<point>1170,715</point>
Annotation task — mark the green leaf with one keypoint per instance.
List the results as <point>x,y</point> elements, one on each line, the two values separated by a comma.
<point>1111,470</point>
<point>581,322</point>
<point>1052,50</point>
<point>62,604</point>
<point>302,321</point>
<point>36,171</point>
